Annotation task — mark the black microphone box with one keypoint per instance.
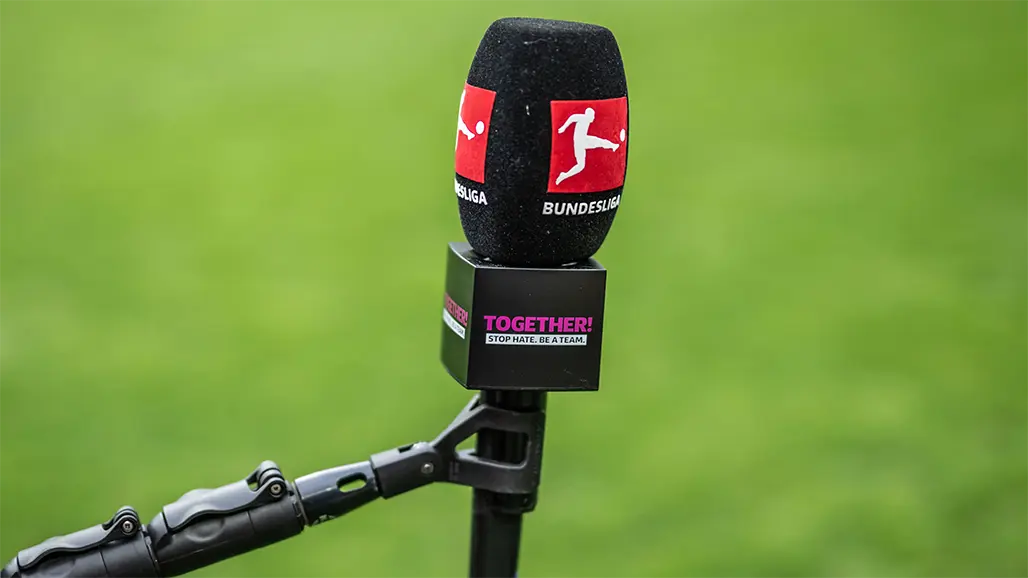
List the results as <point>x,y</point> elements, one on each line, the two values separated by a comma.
<point>528,328</point>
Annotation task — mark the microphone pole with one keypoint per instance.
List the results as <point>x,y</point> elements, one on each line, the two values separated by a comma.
<point>495,517</point>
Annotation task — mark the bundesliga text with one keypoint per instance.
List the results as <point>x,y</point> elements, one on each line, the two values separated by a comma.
<point>583,208</point>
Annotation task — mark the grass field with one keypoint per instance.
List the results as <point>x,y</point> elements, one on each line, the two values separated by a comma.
<point>223,233</point>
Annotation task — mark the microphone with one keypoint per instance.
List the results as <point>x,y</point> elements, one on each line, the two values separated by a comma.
<point>542,142</point>
<point>540,159</point>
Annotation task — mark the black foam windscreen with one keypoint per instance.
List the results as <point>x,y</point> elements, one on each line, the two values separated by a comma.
<point>541,150</point>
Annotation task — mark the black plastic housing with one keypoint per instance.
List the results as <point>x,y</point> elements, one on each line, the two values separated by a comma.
<point>128,558</point>
<point>522,328</point>
<point>117,547</point>
<point>214,539</point>
<point>207,526</point>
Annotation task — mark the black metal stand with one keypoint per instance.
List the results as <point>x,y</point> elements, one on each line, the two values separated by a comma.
<point>496,517</point>
<point>206,526</point>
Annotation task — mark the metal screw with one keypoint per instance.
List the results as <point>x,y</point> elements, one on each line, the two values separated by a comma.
<point>427,468</point>
<point>276,489</point>
<point>128,526</point>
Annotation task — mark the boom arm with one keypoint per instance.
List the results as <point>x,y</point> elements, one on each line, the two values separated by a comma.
<point>206,526</point>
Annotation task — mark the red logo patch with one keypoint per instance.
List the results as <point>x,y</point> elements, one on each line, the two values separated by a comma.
<point>587,152</point>
<point>476,108</point>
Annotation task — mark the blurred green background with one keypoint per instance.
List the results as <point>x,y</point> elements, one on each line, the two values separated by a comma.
<point>223,237</point>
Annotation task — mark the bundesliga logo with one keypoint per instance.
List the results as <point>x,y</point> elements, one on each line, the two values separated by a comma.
<point>590,157</point>
<point>476,108</point>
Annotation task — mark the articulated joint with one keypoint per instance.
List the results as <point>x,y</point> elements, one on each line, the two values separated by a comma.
<point>408,467</point>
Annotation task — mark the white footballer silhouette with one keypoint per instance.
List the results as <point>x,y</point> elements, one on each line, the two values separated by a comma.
<point>583,141</point>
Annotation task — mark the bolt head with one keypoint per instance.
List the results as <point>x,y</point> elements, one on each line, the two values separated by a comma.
<point>128,526</point>
<point>427,468</point>
<point>275,489</point>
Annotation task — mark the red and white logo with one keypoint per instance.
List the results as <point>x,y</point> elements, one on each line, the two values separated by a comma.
<point>476,108</point>
<point>587,152</point>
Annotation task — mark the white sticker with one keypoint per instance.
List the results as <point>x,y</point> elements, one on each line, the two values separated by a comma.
<point>535,339</point>
<point>453,324</point>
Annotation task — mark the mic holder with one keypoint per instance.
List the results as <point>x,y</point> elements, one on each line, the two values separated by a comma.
<point>408,467</point>
<point>206,526</point>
